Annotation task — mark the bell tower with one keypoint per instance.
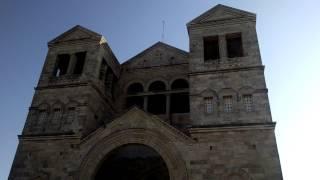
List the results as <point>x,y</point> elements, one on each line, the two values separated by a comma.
<point>227,84</point>
<point>75,92</point>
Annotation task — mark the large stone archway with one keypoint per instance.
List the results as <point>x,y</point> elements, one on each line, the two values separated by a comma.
<point>134,162</point>
<point>158,142</point>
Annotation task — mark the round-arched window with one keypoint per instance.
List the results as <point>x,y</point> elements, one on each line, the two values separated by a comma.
<point>157,86</point>
<point>135,88</point>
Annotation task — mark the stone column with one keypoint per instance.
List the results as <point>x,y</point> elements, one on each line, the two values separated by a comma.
<point>168,107</point>
<point>223,47</point>
<point>145,103</point>
<point>72,63</point>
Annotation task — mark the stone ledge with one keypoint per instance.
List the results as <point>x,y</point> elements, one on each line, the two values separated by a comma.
<point>231,127</point>
<point>227,70</point>
<point>49,137</point>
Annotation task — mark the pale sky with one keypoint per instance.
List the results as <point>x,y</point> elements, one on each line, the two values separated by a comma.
<point>288,33</point>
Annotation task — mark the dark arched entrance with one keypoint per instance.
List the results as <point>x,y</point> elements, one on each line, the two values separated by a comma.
<point>134,162</point>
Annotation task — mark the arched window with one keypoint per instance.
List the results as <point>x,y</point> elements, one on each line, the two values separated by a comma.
<point>57,113</point>
<point>43,116</point>
<point>227,104</point>
<point>180,100</point>
<point>138,101</point>
<point>43,113</point>
<point>179,84</point>
<point>157,86</point>
<point>70,123</point>
<point>135,88</point>
<point>56,117</point>
<point>71,115</point>
<point>247,101</point>
<point>208,104</point>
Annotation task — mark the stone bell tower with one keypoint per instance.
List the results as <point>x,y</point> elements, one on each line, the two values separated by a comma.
<point>76,87</point>
<point>74,96</point>
<point>229,104</point>
<point>226,73</point>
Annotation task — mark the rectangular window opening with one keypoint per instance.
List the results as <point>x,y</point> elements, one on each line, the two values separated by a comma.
<point>211,48</point>
<point>42,115</point>
<point>80,59</point>
<point>247,101</point>
<point>62,65</point>
<point>227,101</point>
<point>71,115</point>
<point>208,104</point>
<point>234,45</point>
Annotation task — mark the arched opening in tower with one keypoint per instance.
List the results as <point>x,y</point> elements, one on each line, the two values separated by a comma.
<point>134,162</point>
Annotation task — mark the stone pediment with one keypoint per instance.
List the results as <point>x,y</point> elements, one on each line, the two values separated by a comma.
<point>77,33</point>
<point>220,13</point>
<point>157,55</point>
<point>136,127</point>
<point>136,119</point>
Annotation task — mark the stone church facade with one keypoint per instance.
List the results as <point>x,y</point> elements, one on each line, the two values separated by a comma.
<point>163,114</point>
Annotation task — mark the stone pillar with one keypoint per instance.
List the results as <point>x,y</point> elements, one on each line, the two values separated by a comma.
<point>223,47</point>
<point>145,103</point>
<point>72,63</point>
<point>168,107</point>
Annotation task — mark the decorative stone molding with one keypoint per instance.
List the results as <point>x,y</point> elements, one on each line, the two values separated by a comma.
<point>161,144</point>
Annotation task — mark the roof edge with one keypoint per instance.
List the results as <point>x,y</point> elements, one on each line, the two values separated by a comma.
<point>159,43</point>
<point>213,9</point>
<point>76,27</point>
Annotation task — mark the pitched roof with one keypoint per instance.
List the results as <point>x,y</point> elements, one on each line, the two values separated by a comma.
<point>76,33</point>
<point>220,12</point>
<point>136,118</point>
<point>155,46</point>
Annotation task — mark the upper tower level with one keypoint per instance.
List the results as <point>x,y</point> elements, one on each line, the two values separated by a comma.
<point>227,84</point>
<point>76,56</point>
<point>76,89</point>
<point>222,38</point>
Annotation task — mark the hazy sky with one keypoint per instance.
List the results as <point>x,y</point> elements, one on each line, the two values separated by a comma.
<point>289,37</point>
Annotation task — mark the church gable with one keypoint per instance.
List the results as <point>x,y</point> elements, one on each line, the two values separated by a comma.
<point>159,54</point>
<point>138,119</point>
<point>220,13</point>
<point>77,33</point>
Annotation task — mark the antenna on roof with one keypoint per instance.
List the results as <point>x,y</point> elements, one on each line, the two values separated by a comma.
<point>162,35</point>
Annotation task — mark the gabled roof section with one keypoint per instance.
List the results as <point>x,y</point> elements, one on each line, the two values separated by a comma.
<point>77,33</point>
<point>135,118</point>
<point>220,13</point>
<point>167,52</point>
